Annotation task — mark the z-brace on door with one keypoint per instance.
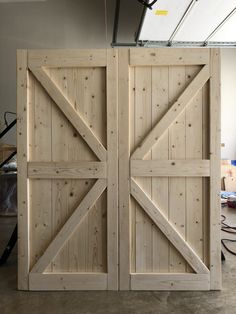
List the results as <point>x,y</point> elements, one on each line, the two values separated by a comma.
<point>68,170</point>
<point>169,169</point>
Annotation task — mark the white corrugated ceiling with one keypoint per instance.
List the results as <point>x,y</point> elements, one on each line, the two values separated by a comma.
<point>204,16</point>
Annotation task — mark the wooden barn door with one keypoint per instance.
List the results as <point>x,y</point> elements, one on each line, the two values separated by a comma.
<point>169,169</point>
<point>169,150</point>
<point>68,170</point>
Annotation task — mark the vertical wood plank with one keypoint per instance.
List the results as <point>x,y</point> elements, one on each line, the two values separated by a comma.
<point>215,244</point>
<point>76,88</point>
<point>60,188</point>
<point>40,150</point>
<point>131,148</point>
<point>142,125</point>
<point>124,178</point>
<point>206,181</point>
<point>112,168</point>
<point>160,105</point>
<point>93,92</point>
<point>22,181</point>
<point>177,188</point>
<point>194,197</point>
<point>86,90</point>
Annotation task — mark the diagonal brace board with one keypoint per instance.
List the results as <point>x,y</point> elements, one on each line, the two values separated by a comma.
<point>180,104</point>
<point>70,226</point>
<point>168,230</point>
<point>71,114</point>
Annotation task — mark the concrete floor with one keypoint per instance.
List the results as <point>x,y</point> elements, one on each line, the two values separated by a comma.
<point>13,301</point>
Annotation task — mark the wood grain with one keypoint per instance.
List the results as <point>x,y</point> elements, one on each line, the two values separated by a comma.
<point>67,170</point>
<point>22,158</point>
<point>176,109</point>
<point>170,168</point>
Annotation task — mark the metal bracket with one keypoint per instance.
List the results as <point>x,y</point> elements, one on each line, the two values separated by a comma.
<point>147,4</point>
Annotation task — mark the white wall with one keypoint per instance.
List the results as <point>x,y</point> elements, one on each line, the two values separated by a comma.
<point>228,103</point>
<point>55,24</point>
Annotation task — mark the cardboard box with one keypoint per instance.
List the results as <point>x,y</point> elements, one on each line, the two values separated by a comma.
<point>5,151</point>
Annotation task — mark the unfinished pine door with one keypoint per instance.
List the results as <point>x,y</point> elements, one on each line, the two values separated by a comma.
<point>167,103</point>
<point>68,166</point>
<point>169,167</point>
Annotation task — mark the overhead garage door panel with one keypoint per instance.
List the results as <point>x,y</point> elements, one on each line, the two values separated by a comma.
<point>202,18</point>
<point>160,26</point>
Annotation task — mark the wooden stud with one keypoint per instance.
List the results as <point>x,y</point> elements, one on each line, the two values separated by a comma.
<point>206,181</point>
<point>215,236</point>
<point>112,168</point>
<point>132,142</point>
<point>124,178</point>
<point>22,181</point>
